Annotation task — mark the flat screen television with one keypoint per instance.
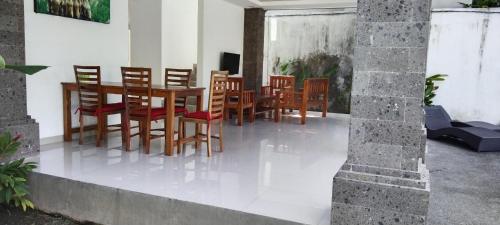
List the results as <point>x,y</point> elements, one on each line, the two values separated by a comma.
<point>231,63</point>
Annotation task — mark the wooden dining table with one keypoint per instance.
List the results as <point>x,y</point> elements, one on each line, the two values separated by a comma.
<point>160,91</point>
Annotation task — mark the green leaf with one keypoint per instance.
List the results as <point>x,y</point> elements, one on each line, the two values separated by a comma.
<point>2,62</point>
<point>29,70</point>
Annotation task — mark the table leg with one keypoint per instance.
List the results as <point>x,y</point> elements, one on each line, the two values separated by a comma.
<point>170,117</point>
<point>67,114</point>
<point>199,108</point>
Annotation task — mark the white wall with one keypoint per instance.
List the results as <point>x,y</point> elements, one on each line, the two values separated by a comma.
<point>466,46</point>
<point>221,27</point>
<point>179,33</point>
<point>146,36</point>
<point>61,43</point>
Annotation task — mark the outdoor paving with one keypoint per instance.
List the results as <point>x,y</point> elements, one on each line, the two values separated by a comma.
<point>465,185</point>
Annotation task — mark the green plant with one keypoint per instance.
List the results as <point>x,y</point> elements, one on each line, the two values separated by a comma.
<point>481,4</point>
<point>14,174</point>
<point>431,87</point>
<point>26,69</point>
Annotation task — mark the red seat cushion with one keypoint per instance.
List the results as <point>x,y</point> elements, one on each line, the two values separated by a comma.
<point>204,115</point>
<point>106,108</point>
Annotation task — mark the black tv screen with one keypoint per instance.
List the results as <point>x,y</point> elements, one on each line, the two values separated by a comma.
<point>231,63</point>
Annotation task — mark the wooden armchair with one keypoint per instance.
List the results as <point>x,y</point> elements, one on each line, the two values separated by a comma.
<point>239,99</point>
<point>269,96</point>
<point>314,94</point>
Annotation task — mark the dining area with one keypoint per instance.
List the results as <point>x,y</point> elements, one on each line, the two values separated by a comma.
<point>150,111</point>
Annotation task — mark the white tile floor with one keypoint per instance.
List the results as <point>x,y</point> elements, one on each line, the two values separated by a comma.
<point>281,170</point>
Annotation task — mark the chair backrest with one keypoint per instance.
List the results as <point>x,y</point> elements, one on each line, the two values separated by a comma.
<point>88,79</point>
<point>178,78</point>
<point>436,117</point>
<point>235,86</point>
<point>281,82</point>
<point>316,89</point>
<point>137,89</point>
<point>218,85</point>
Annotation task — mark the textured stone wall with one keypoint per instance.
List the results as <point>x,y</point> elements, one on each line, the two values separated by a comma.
<point>313,43</point>
<point>253,53</point>
<point>13,110</point>
<point>384,180</point>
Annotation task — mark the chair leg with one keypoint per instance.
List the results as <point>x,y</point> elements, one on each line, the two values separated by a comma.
<point>82,129</point>
<point>221,135</point>
<point>303,115</point>
<point>197,135</point>
<point>226,113</point>
<point>147,137</point>
<point>104,128</point>
<point>127,136</point>
<point>180,136</point>
<point>325,108</point>
<point>252,114</point>
<point>99,131</point>
<point>141,132</point>
<point>240,116</point>
<point>123,127</point>
<point>209,140</point>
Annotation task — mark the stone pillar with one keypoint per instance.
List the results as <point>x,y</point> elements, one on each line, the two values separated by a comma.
<point>253,48</point>
<point>384,180</point>
<point>13,111</point>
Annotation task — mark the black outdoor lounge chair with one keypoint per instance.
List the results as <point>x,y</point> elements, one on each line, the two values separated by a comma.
<point>440,125</point>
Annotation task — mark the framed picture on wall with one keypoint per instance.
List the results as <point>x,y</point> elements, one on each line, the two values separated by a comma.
<point>90,10</point>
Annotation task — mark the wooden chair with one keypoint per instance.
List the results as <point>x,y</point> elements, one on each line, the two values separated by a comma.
<point>278,83</point>
<point>271,94</point>
<point>239,99</point>
<point>179,78</point>
<point>314,94</point>
<point>137,90</point>
<point>93,103</point>
<point>218,85</point>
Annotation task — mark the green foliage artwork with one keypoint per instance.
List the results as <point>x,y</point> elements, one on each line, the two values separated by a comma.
<point>431,87</point>
<point>482,4</point>
<point>91,10</point>
<point>14,174</point>
<point>338,69</point>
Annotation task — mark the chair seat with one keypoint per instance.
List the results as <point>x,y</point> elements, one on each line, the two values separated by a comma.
<point>106,108</point>
<point>204,115</point>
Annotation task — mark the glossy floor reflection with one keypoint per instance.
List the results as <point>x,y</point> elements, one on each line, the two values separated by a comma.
<point>282,170</point>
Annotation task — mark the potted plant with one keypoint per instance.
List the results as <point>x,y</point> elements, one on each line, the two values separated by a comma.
<point>14,174</point>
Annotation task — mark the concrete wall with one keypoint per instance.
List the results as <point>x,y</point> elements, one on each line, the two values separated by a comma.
<point>221,27</point>
<point>319,43</point>
<point>465,45</point>
<point>62,42</point>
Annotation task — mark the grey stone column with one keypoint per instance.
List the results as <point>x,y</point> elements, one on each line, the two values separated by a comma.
<point>13,111</point>
<point>384,180</point>
<point>253,48</point>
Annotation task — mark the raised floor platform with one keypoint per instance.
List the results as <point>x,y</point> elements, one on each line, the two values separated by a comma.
<point>269,173</point>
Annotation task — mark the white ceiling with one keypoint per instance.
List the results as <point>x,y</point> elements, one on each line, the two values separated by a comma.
<point>294,4</point>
